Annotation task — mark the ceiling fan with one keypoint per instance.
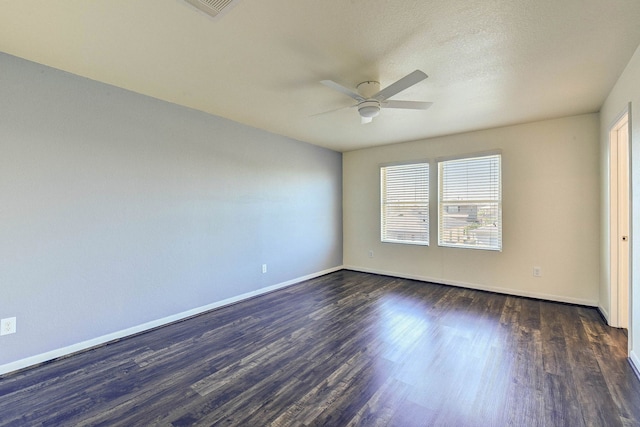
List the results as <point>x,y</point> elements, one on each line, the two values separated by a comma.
<point>371,99</point>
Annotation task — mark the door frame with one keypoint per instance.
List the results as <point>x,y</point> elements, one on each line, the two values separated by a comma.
<point>620,316</point>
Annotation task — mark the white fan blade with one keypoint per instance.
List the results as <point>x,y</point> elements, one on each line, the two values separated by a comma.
<point>402,84</point>
<point>332,111</point>
<point>408,105</point>
<point>335,86</point>
<point>365,120</point>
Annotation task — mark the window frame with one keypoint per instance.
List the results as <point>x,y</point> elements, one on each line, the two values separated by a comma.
<point>470,202</point>
<point>384,204</point>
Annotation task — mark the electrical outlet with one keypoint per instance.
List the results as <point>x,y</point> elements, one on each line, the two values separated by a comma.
<point>537,272</point>
<point>8,326</point>
<point>370,254</point>
<point>264,268</point>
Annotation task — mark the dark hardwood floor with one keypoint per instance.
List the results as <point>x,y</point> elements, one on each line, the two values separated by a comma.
<point>346,349</point>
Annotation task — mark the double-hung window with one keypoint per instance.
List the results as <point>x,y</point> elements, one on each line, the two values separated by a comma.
<point>470,202</point>
<point>405,203</point>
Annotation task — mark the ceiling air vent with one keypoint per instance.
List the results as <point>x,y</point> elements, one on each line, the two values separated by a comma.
<point>213,7</point>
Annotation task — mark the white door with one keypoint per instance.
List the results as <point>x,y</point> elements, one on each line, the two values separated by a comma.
<point>619,215</point>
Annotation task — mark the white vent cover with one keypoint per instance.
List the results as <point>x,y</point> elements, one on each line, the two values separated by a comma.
<point>213,7</point>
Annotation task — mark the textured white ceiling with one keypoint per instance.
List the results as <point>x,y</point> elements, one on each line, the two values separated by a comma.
<point>490,62</point>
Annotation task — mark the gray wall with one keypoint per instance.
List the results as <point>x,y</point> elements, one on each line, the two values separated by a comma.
<point>117,209</point>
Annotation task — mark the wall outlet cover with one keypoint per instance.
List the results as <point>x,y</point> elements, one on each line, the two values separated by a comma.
<point>8,326</point>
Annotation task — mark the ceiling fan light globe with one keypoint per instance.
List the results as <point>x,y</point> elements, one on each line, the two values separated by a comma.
<point>369,109</point>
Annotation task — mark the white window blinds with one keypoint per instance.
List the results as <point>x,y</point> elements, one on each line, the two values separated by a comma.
<point>470,203</point>
<point>405,203</point>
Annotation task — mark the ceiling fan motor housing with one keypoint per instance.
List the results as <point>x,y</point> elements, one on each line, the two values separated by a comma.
<point>368,89</point>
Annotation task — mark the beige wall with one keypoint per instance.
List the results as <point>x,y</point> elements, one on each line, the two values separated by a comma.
<point>551,212</point>
<point>626,92</point>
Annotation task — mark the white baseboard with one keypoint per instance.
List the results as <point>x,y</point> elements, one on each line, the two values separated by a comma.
<point>634,361</point>
<point>88,344</point>
<point>480,287</point>
<point>605,314</point>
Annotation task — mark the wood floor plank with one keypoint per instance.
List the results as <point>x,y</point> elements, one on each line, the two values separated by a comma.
<point>346,349</point>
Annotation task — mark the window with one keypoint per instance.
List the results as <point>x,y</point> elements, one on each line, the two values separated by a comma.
<point>405,203</point>
<point>470,203</point>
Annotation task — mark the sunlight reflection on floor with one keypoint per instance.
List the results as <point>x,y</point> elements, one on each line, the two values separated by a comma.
<point>446,361</point>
